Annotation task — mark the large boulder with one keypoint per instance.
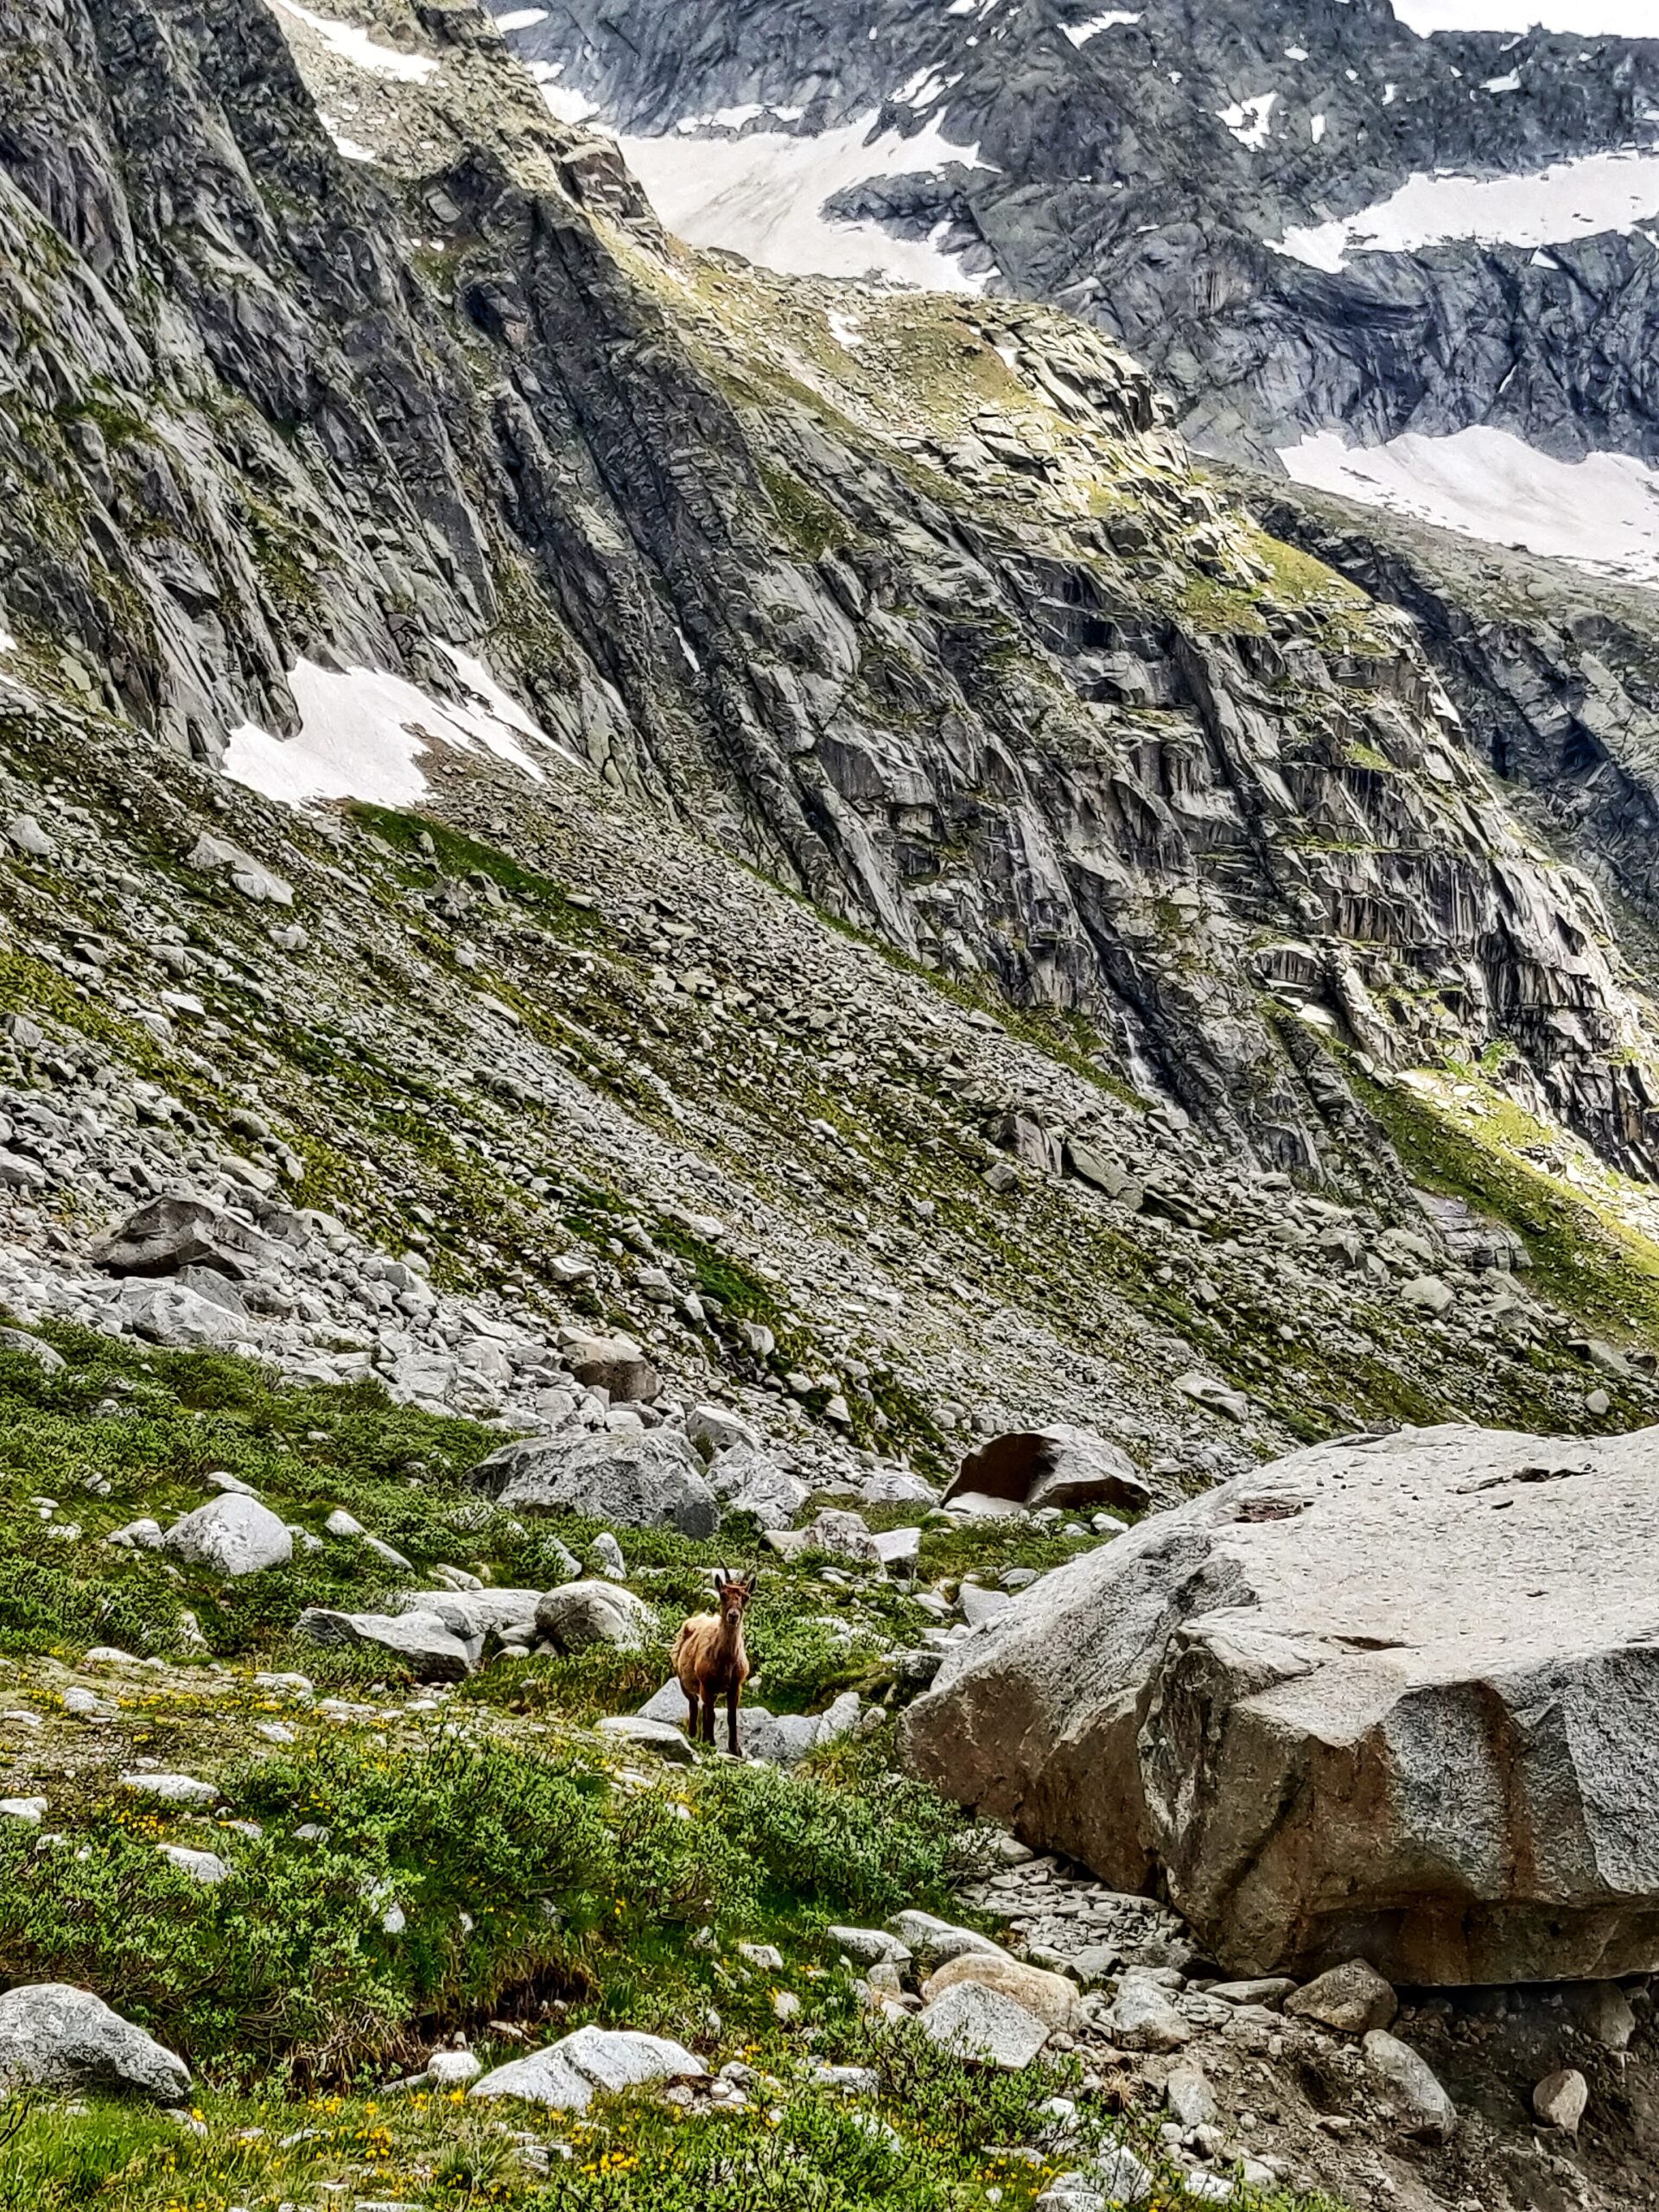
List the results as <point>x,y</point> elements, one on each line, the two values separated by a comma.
<point>751,1481</point>
<point>566,2075</point>
<point>59,2038</point>
<point>1390,1699</point>
<point>168,1234</point>
<point>1060,1465</point>
<point>423,1642</point>
<point>634,1477</point>
<point>233,1534</point>
<point>578,1614</point>
<point>615,1365</point>
<point>177,1316</point>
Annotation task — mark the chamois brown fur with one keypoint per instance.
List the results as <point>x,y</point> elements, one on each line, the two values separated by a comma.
<point>709,1659</point>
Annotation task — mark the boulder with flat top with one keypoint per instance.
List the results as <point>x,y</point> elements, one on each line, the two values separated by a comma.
<point>1388,1701</point>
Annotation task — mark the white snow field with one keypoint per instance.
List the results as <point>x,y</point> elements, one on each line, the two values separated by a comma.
<point>364,731</point>
<point>1601,512</point>
<point>355,46</point>
<point>763,195</point>
<point>1572,199</point>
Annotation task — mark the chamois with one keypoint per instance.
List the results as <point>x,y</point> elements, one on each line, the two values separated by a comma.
<point>710,1657</point>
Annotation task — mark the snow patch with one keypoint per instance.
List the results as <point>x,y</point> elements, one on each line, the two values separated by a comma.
<point>1571,200</point>
<point>1250,121</point>
<point>845,330</point>
<point>364,731</point>
<point>347,149</point>
<point>1510,84</point>
<point>520,19</point>
<point>563,101</point>
<point>356,47</point>
<point>1601,512</point>
<point>1316,127</point>
<point>763,196</point>
<point>1080,33</point>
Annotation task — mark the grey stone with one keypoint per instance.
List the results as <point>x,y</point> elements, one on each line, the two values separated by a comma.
<point>1351,1997</point>
<point>1060,1465</point>
<point>749,1480</point>
<point>870,1947</point>
<point>35,1348</point>
<point>643,1479</point>
<point>979,1606</point>
<point>1051,1997</point>
<point>1190,2099</point>
<point>579,1614</point>
<point>1561,2099</point>
<point>172,1789</point>
<point>233,1534</point>
<point>971,2021</point>
<point>934,1941</point>
<point>65,2040</point>
<point>203,1866</point>
<point>720,1429</point>
<point>421,1640</point>
<point>842,1536</point>
<point>567,2075</point>
<point>615,1365</point>
<point>1143,2018</point>
<point>1268,1989</point>
<point>661,1737</point>
<point>1323,1639</point>
<point>1423,2106</point>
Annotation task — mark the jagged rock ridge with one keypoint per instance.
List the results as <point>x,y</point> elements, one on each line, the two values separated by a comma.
<point>1140,166</point>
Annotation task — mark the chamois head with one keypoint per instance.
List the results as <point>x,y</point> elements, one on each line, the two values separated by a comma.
<point>733,1592</point>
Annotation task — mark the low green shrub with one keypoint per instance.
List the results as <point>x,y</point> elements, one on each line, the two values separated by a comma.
<point>495,1861</point>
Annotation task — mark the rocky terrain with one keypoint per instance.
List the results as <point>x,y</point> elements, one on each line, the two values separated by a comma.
<point>1244,193</point>
<point>655,917</point>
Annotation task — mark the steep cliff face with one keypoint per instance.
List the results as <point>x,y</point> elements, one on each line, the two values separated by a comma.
<point>917,605</point>
<point>1556,677</point>
<point>1203,182</point>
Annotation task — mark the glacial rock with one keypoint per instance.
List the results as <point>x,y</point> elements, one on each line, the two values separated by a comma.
<point>578,1614</point>
<point>232,1534</point>
<point>1423,2106</point>
<point>748,1480</point>
<point>419,1641</point>
<point>637,1478</point>
<point>567,2075</point>
<point>971,2021</point>
<point>1561,2099</point>
<point>615,1365</point>
<point>1060,1465</point>
<point>1351,1998</point>
<point>1337,1703</point>
<point>1050,1996</point>
<point>66,2041</point>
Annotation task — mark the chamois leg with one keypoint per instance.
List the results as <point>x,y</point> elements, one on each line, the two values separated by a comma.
<point>692,1724</point>
<point>732,1696</point>
<point>709,1716</point>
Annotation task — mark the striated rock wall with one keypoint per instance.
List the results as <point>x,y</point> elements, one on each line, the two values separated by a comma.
<point>935,623</point>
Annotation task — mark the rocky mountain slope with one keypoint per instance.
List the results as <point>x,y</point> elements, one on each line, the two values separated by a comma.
<point>1013,690</point>
<point>730,884</point>
<point>1315,227</point>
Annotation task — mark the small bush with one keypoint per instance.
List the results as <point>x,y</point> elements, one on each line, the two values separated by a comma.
<point>290,1959</point>
<point>863,1850</point>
